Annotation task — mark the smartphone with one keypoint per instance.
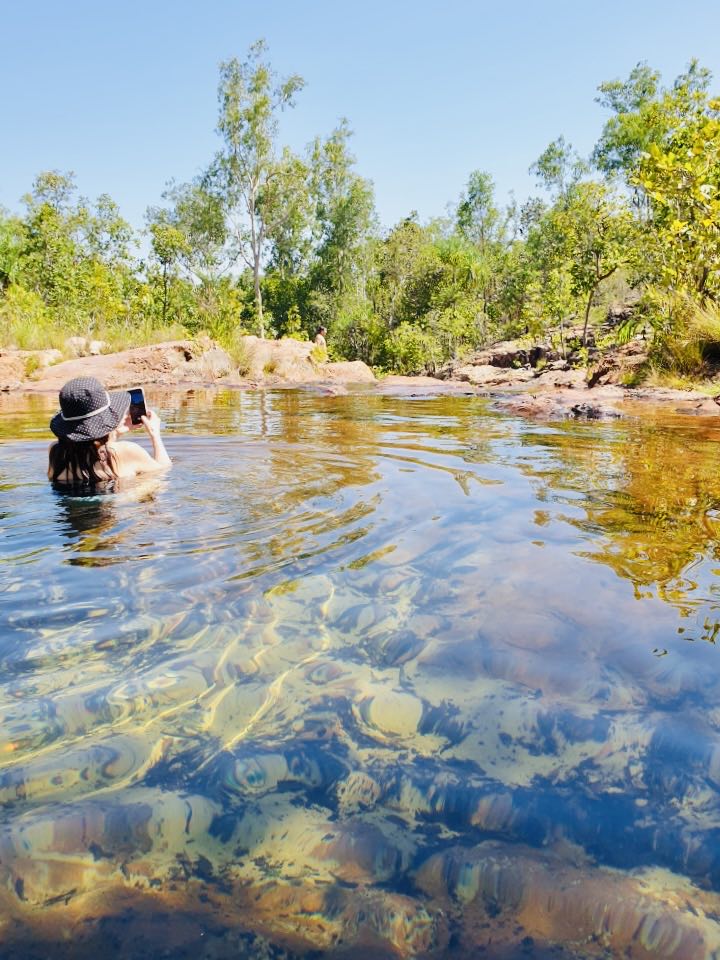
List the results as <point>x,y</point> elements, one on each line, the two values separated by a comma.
<point>137,405</point>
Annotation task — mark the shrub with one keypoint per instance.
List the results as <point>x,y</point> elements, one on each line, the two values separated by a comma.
<point>687,334</point>
<point>409,350</point>
<point>26,323</point>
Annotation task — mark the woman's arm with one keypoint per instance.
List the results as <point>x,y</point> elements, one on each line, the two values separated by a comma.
<point>134,459</point>
<point>50,468</point>
<point>151,422</point>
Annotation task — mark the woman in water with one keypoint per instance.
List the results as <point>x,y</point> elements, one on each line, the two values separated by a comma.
<point>88,425</point>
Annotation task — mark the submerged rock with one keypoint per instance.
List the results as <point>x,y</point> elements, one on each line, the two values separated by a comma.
<point>514,893</point>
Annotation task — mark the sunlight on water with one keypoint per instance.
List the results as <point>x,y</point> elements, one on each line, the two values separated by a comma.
<point>398,676</point>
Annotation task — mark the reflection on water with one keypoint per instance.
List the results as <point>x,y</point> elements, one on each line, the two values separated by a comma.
<point>365,676</point>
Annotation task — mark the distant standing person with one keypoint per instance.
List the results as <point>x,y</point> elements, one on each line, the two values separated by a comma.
<point>320,337</point>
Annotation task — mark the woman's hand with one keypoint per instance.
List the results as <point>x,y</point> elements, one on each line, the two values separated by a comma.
<point>152,424</point>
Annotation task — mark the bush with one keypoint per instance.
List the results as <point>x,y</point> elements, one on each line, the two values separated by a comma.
<point>687,334</point>
<point>26,323</point>
<point>409,350</point>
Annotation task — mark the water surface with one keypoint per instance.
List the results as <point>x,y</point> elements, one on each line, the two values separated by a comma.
<point>363,676</point>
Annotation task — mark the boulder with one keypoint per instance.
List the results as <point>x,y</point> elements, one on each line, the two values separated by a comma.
<point>619,364</point>
<point>84,347</point>
<point>293,361</point>
<point>19,365</point>
<point>489,375</point>
<point>76,346</point>
<point>506,354</point>
<point>563,377</point>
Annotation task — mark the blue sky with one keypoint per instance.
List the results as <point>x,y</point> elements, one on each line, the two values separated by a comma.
<point>124,94</point>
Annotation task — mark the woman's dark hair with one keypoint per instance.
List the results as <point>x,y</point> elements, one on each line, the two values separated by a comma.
<point>78,460</point>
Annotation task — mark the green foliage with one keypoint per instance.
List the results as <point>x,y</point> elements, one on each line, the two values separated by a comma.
<point>25,321</point>
<point>479,220</point>
<point>234,345</point>
<point>344,221</point>
<point>12,240</point>
<point>411,351</point>
<point>318,354</point>
<point>266,240</point>
<point>358,334</point>
<point>558,168</point>
<point>681,178</point>
<point>644,113</point>
<point>686,335</point>
<point>286,300</point>
<point>197,217</point>
<point>249,103</point>
<point>293,326</point>
<point>32,364</point>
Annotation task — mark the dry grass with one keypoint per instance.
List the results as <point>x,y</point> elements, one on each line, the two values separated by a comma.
<point>686,347</point>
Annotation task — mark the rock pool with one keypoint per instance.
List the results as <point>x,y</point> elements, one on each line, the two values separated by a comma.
<point>364,676</point>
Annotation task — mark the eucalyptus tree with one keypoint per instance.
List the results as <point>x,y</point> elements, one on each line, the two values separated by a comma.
<point>169,246</point>
<point>197,213</point>
<point>53,231</point>
<point>644,112</point>
<point>345,221</point>
<point>558,168</point>
<point>288,211</point>
<point>479,219</point>
<point>249,100</point>
<point>481,222</point>
<point>395,291</point>
<point>582,238</point>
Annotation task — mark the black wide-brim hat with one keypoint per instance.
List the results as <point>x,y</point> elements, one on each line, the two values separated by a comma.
<point>88,411</point>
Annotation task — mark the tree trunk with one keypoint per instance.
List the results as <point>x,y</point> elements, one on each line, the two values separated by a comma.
<point>258,299</point>
<point>588,305</point>
<point>165,293</point>
<point>256,253</point>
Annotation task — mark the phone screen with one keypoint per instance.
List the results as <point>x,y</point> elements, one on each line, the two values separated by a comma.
<point>137,404</point>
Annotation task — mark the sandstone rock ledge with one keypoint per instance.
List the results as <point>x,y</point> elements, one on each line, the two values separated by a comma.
<point>266,362</point>
<point>529,381</point>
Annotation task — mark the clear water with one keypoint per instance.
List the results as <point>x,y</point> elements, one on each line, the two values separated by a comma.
<point>364,676</point>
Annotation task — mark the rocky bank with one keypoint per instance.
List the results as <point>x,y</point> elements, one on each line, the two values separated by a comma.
<point>531,379</point>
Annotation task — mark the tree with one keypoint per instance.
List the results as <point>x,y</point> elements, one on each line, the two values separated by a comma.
<point>344,212</point>
<point>198,214</point>
<point>572,248</point>
<point>481,222</point>
<point>478,217</point>
<point>249,102</point>
<point>587,233</point>
<point>681,178</point>
<point>169,245</point>
<point>107,234</point>
<point>12,245</point>
<point>53,249</point>
<point>288,212</point>
<point>397,264</point>
<point>600,233</point>
<point>558,168</point>
<point>75,255</point>
<point>644,113</point>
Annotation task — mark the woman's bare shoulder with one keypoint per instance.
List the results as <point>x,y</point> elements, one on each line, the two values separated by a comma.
<point>131,457</point>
